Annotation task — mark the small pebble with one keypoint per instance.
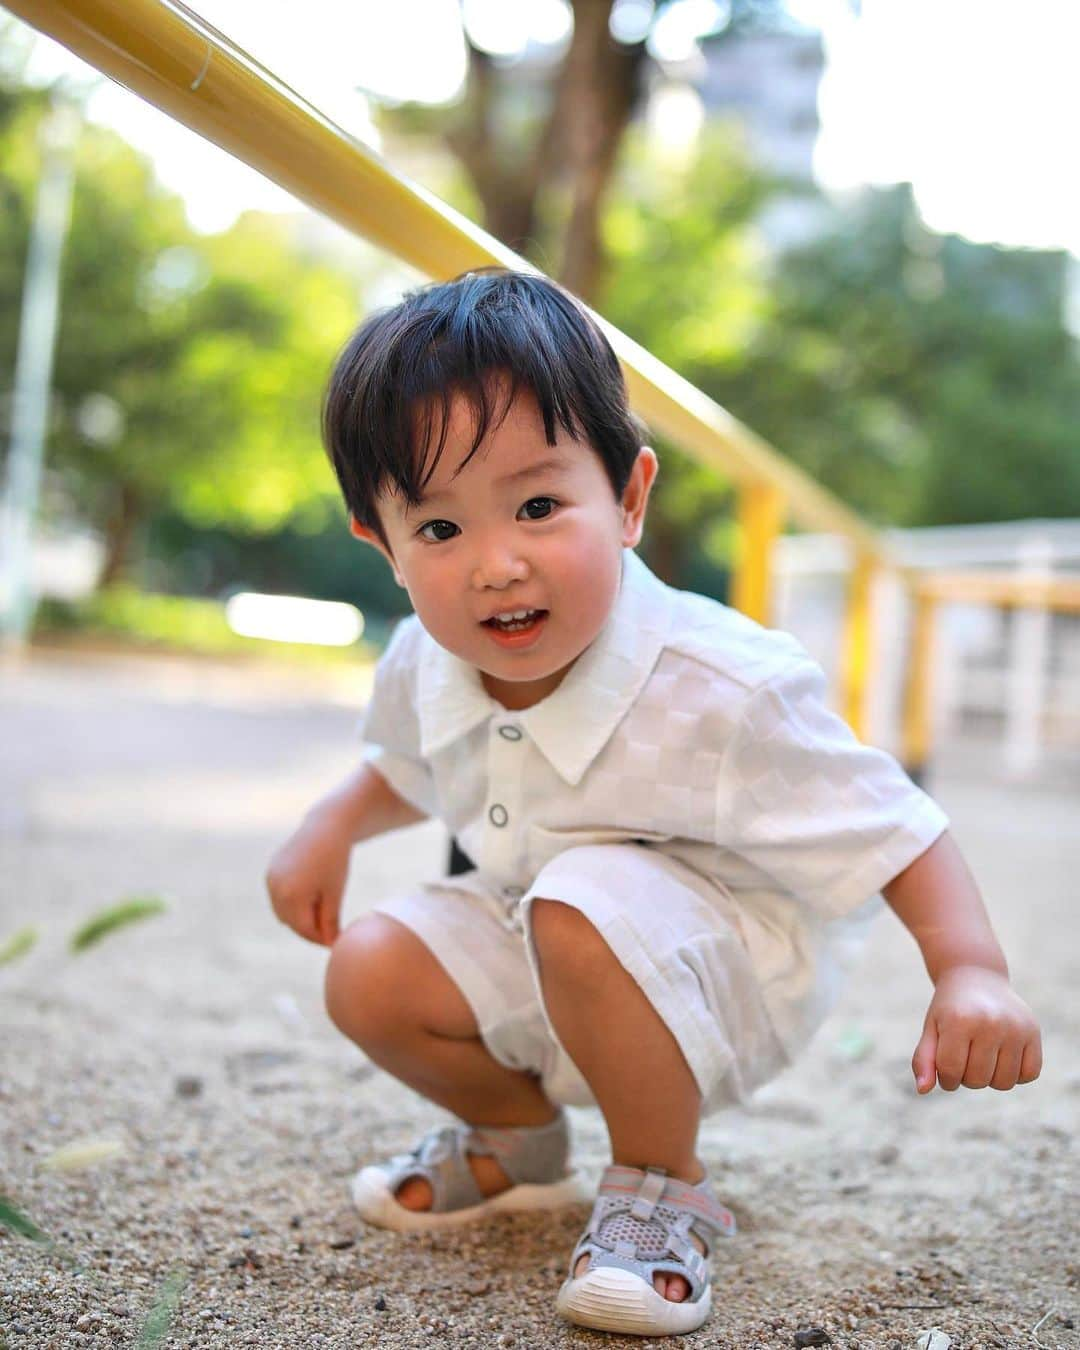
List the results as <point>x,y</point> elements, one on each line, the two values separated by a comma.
<point>188,1085</point>
<point>380,1304</point>
<point>888,1154</point>
<point>812,1336</point>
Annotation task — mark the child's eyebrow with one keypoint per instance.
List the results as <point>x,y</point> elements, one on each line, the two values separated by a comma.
<point>553,464</point>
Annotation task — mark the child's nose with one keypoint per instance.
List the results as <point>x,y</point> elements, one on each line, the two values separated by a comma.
<point>498,564</point>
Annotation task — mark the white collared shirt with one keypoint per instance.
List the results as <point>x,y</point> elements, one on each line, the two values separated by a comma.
<point>685,725</point>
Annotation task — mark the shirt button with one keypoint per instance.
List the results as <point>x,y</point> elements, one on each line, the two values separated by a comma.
<point>513,892</point>
<point>510,733</point>
<point>498,815</point>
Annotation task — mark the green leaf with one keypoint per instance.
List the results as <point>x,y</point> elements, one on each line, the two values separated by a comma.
<point>108,920</point>
<point>16,1220</point>
<point>156,1326</point>
<point>17,945</point>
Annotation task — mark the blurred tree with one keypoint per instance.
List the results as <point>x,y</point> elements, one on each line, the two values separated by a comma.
<point>925,379</point>
<point>541,168</point>
<point>188,369</point>
<point>687,278</point>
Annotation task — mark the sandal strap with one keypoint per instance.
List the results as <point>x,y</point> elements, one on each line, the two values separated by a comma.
<point>534,1154</point>
<point>528,1154</point>
<point>653,1186</point>
<point>439,1159</point>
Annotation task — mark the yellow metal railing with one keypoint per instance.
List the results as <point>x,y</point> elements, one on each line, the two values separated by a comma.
<point>935,589</point>
<point>171,57</point>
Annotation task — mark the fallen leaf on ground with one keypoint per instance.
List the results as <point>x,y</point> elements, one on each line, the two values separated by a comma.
<point>117,916</point>
<point>82,1153</point>
<point>18,944</point>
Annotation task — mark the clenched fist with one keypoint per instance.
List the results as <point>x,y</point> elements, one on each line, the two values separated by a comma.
<point>978,1033</point>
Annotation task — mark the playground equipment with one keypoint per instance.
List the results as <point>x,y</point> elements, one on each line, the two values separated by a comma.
<point>171,57</point>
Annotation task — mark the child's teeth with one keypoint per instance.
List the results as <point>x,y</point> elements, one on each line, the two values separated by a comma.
<point>518,619</point>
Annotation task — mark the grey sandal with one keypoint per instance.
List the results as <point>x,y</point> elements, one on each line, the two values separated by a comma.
<point>534,1158</point>
<point>641,1226</point>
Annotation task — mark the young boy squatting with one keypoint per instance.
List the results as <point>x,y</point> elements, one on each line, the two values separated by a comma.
<point>673,838</point>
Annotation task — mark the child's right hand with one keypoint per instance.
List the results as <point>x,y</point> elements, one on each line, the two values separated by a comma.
<point>306,879</point>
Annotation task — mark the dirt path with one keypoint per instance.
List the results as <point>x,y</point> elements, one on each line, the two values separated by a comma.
<point>197,1042</point>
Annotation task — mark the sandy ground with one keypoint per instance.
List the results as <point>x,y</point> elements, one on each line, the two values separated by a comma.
<point>198,1042</point>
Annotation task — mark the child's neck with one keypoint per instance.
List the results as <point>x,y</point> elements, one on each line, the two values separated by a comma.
<point>515,696</point>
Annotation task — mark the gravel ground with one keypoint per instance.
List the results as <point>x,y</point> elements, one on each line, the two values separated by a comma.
<point>197,1042</point>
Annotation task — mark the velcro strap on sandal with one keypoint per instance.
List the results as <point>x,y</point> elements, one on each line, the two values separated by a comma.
<point>708,1213</point>
<point>649,1193</point>
<point>688,1254</point>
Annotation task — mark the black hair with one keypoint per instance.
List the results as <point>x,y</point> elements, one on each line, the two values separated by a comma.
<point>403,366</point>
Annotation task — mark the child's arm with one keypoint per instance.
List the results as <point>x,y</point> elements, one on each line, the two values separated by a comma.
<point>977,1032</point>
<point>306,877</point>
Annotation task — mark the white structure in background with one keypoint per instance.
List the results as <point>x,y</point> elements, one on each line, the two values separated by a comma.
<point>769,82</point>
<point>1011,674</point>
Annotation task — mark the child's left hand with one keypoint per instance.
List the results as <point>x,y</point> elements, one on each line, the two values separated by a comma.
<point>978,1032</point>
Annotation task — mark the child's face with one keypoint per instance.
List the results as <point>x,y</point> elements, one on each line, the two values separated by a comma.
<point>507,534</point>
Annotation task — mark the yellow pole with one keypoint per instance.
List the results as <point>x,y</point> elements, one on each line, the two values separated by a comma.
<point>917,728</point>
<point>760,518</point>
<point>857,654</point>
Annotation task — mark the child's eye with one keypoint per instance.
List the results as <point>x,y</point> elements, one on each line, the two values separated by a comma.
<point>549,502</point>
<point>434,525</point>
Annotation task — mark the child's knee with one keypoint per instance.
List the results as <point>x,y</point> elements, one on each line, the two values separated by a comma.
<point>565,938</point>
<point>366,971</point>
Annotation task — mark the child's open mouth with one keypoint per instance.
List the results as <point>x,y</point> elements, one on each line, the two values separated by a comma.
<point>517,630</point>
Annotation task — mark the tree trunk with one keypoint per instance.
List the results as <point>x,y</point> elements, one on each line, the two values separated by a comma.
<point>602,82</point>
<point>592,100</point>
<point>120,528</point>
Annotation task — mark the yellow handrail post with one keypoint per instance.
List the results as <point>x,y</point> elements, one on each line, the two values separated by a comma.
<point>761,512</point>
<point>857,655</point>
<point>917,711</point>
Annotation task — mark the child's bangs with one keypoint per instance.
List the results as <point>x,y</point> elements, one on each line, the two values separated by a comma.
<point>434,384</point>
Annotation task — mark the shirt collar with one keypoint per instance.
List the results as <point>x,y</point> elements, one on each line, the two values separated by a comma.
<point>572,725</point>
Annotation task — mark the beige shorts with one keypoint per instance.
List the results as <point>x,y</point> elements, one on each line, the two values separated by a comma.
<point>674,930</point>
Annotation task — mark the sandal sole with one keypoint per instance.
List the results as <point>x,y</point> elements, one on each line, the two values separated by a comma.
<point>617,1300</point>
<point>377,1206</point>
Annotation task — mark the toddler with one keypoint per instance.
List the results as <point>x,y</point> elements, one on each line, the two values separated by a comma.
<point>673,843</point>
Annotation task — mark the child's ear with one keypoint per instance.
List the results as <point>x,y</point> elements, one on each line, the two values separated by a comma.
<point>368,536</point>
<point>636,496</point>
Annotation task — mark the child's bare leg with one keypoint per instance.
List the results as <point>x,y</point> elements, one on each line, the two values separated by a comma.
<point>386,991</point>
<point>625,1052</point>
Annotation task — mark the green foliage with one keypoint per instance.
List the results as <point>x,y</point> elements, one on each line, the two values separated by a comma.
<point>926,380</point>
<point>314,556</point>
<point>687,280</point>
<point>173,622</point>
<point>686,272</point>
<point>207,354</point>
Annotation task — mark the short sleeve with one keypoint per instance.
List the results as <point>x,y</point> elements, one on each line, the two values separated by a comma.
<point>803,800</point>
<point>390,728</point>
